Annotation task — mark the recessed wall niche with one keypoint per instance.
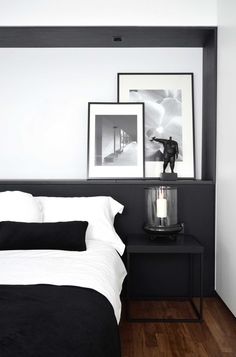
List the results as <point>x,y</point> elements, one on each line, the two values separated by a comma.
<point>44,95</point>
<point>191,193</point>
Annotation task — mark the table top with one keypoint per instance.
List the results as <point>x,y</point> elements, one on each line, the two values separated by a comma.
<point>144,243</point>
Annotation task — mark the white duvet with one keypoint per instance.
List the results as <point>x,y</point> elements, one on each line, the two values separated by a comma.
<point>99,268</point>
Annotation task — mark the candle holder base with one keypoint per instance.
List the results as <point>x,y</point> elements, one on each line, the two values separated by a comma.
<point>163,232</point>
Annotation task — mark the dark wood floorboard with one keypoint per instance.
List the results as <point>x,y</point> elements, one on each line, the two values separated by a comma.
<point>215,337</point>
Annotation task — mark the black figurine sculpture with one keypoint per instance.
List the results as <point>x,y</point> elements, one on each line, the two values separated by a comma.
<point>171,152</point>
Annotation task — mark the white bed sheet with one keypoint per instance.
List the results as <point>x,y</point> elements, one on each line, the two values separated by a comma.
<point>99,267</point>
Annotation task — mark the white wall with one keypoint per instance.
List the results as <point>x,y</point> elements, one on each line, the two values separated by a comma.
<point>44,95</point>
<point>226,156</point>
<point>108,12</point>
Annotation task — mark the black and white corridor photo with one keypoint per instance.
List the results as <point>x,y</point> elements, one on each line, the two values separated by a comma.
<point>116,140</point>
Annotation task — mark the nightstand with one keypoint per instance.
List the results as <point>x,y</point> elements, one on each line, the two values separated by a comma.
<point>182,244</point>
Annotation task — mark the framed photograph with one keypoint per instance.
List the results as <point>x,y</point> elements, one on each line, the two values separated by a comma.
<point>115,140</point>
<point>168,99</point>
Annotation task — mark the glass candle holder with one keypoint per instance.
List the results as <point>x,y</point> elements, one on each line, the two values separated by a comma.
<point>161,209</point>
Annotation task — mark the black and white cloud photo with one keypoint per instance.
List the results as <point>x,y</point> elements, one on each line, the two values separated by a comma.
<point>163,118</point>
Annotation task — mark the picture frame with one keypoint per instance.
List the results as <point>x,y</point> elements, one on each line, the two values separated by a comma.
<point>169,112</point>
<point>115,140</point>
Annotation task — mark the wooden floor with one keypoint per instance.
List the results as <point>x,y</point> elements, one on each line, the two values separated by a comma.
<point>216,336</point>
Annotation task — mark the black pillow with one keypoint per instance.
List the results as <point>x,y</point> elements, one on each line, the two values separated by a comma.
<point>59,235</point>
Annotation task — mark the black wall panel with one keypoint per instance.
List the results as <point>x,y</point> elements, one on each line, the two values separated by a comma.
<point>196,210</point>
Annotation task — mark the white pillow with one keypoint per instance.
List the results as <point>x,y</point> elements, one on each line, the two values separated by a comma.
<point>20,207</point>
<point>99,211</point>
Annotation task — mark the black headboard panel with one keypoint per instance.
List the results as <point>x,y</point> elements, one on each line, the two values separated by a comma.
<point>195,201</point>
<point>196,207</point>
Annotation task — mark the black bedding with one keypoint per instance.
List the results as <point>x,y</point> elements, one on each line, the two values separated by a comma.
<point>60,321</point>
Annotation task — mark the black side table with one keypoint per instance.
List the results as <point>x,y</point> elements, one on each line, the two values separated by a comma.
<point>183,244</point>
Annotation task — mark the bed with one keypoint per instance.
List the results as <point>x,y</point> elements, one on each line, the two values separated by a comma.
<point>59,301</point>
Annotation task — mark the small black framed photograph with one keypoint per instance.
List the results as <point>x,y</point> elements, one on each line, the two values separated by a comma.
<point>168,99</point>
<point>115,140</point>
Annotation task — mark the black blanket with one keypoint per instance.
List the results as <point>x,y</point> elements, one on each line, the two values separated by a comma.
<point>60,321</point>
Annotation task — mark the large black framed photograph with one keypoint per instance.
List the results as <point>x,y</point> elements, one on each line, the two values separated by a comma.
<point>115,140</point>
<point>168,99</point>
